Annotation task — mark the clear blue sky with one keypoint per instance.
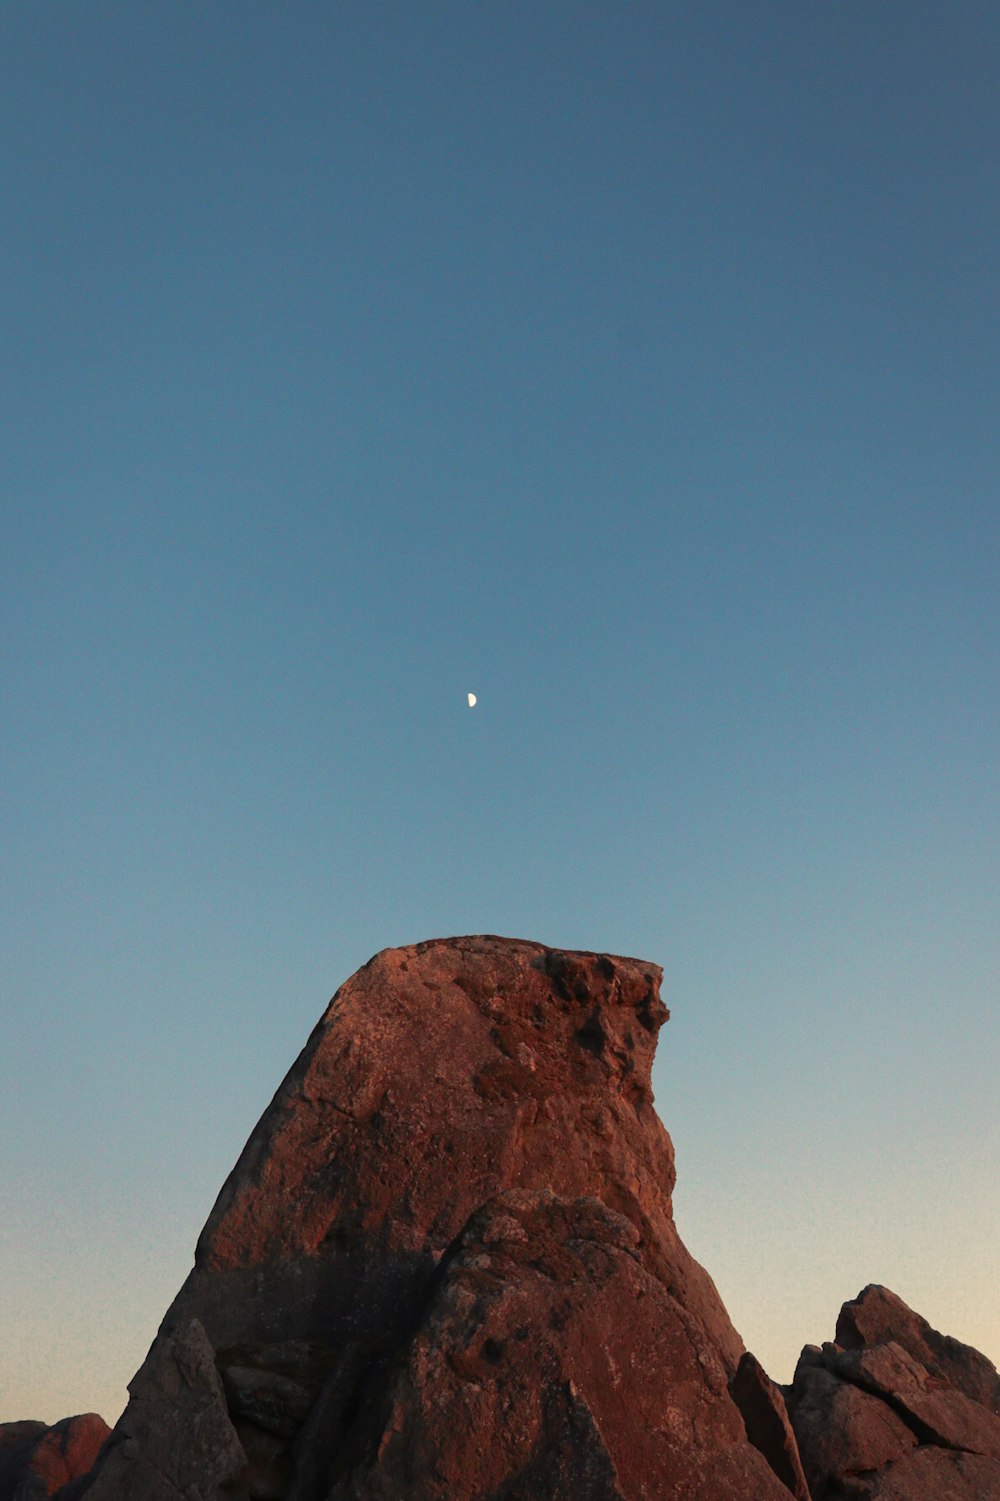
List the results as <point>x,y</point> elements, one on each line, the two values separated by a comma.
<point>632,366</point>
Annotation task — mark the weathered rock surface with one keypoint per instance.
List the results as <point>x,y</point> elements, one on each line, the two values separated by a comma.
<point>935,1475</point>
<point>37,1459</point>
<point>933,1408</point>
<point>441,1077</point>
<point>878,1317</point>
<point>445,1268</point>
<point>551,1363</point>
<point>176,1437</point>
<point>888,1412</point>
<point>841,1431</point>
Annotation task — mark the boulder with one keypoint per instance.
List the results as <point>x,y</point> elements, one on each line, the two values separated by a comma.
<point>445,1268</point>
<point>893,1409</point>
<point>878,1317</point>
<point>176,1436</point>
<point>841,1431</point>
<point>439,1076</point>
<point>936,1475</point>
<point>934,1410</point>
<point>37,1459</point>
<point>768,1427</point>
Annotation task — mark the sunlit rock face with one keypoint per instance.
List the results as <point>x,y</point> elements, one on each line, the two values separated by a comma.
<point>462,1172</point>
<point>445,1268</point>
<point>894,1411</point>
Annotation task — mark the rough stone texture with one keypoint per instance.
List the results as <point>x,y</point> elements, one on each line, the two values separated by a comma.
<point>841,1430</point>
<point>877,1317</point>
<point>936,1475</point>
<point>440,1076</point>
<point>265,1397</point>
<point>445,1268</point>
<point>551,1363</point>
<point>176,1437</point>
<point>891,1415</point>
<point>932,1408</point>
<point>38,1460</point>
<point>768,1426</point>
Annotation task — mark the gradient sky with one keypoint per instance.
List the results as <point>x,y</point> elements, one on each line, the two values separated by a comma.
<point>633,366</point>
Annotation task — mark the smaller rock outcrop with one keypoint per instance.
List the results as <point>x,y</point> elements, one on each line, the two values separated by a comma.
<point>178,1388</point>
<point>877,1317</point>
<point>39,1459</point>
<point>895,1411</point>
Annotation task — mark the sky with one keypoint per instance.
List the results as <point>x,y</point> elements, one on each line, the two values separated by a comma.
<point>634,367</point>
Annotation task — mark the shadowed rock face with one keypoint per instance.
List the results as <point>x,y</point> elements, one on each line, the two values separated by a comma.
<point>440,1077</point>
<point>895,1410</point>
<point>765,1417</point>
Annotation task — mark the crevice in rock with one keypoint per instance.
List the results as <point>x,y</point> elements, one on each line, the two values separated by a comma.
<point>925,1435</point>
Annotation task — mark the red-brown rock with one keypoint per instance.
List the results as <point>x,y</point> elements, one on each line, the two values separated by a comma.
<point>928,1404</point>
<point>445,1268</point>
<point>842,1432</point>
<point>935,1475</point>
<point>877,1317</point>
<point>892,1415</point>
<point>550,1363</point>
<point>439,1078</point>
<point>38,1460</point>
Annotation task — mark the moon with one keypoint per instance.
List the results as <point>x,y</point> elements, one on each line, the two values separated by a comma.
<point>472,700</point>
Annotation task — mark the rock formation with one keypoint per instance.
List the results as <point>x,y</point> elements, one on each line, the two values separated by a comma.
<point>446,1263</point>
<point>445,1268</point>
<point>895,1411</point>
<point>38,1460</point>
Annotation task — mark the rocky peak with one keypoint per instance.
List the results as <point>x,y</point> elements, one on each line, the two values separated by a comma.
<point>440,1078</point>
<point>501,1059</point>
<point>445,1268</point>
<point>877,1317</point>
